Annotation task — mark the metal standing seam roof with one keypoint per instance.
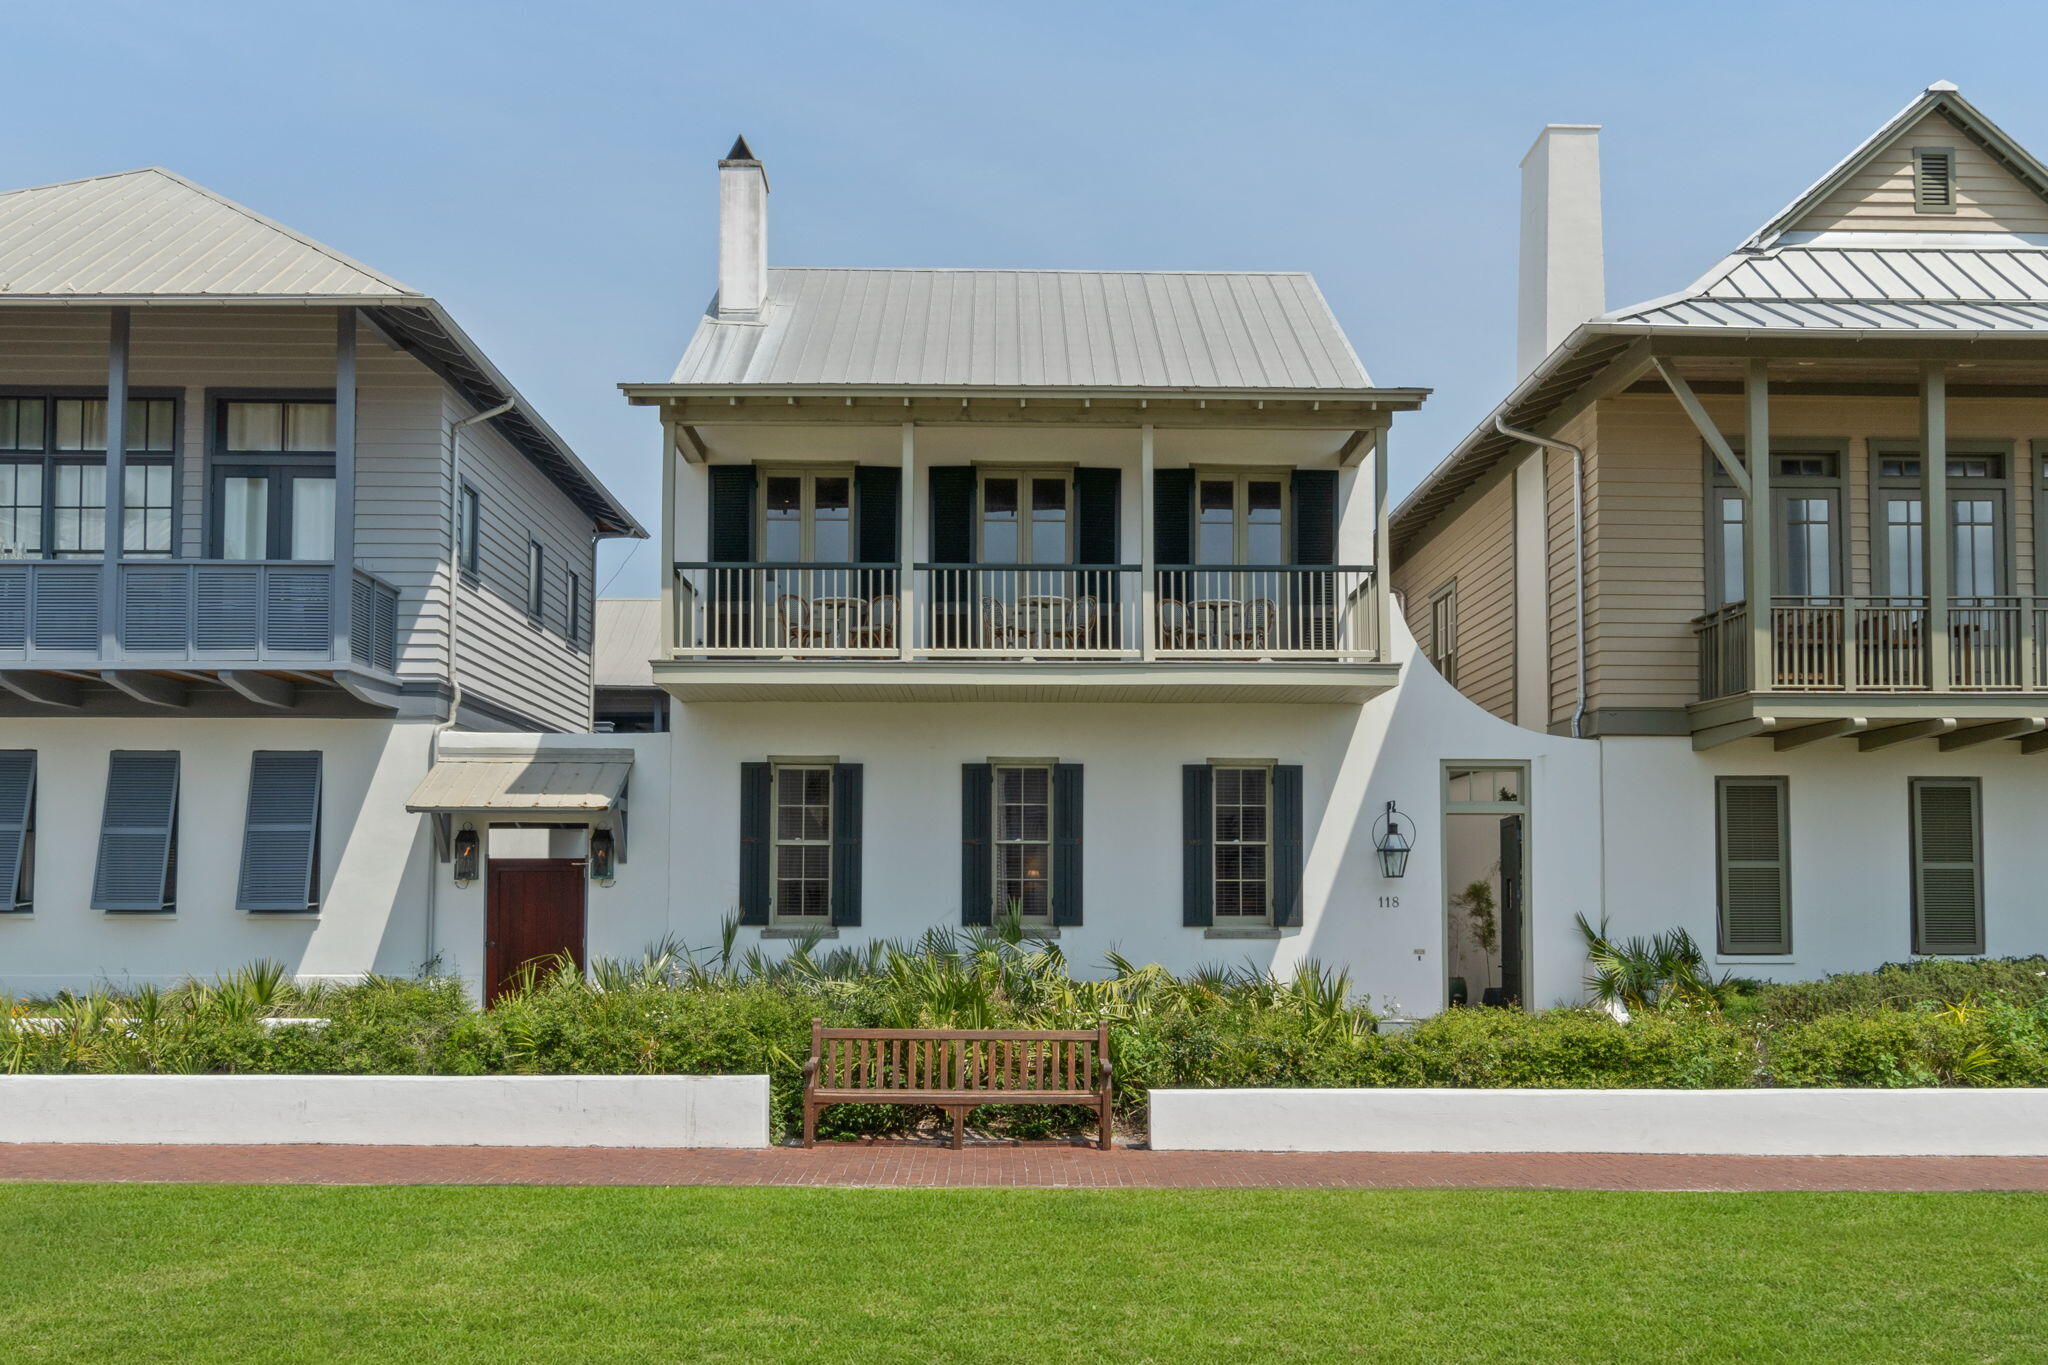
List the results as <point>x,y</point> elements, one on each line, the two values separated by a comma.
<point>568,780</point>
<point>1075,329</point>
<point>628,637</point>
<point>151,236</point>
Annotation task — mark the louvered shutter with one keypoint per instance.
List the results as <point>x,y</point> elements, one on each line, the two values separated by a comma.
<point>1755,874</point>
<point>1198,846</point>
<point>1287,845</point>
<point>1934,188</point>
<point>281,833</point>
<point>977,868</point>
<point>1098,502</point>
<point>17,808</point>
<point>952,513</point>
<point>1173,514</point>
<point>877,491</point>
<point>1315,516</point>
<point>846,802</point>
<point>1948,874</point>
<point>138,827</point>
<point>1066,839</point>
<point>732,513</point>
<point>755,849</point>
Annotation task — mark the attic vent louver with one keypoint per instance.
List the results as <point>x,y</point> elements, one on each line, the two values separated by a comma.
<point>1934,180</point>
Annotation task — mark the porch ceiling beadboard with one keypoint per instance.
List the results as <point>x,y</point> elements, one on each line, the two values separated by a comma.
<point>1068,329</point>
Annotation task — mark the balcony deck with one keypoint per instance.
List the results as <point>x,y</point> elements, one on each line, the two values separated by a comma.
<point>178,619</point>
<point>956,632</point>
<point>1878,670</point>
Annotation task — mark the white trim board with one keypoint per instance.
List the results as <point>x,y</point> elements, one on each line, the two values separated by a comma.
<point>426,1111</point>
<point>1933,1122</point>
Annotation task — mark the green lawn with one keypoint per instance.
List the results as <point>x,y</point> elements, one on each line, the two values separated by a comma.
<point>210,1273</point>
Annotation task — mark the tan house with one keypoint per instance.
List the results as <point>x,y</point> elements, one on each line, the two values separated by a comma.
<point>1839,771</point>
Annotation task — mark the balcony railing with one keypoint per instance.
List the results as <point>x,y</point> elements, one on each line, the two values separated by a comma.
<point>1025,611</point>
<point>184,611</point>
<point>1878,644</point>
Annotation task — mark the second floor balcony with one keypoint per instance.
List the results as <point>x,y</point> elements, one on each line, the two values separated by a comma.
<point>1192,632</point>
<point>192,615</point>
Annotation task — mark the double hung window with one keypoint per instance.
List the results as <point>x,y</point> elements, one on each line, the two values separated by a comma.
<point>1023,840</point>
<point>273,480</point>
<point>1242,830</point>
<point>803,843</point>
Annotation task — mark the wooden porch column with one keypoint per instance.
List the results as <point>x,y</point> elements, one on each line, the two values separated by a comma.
<point>906,547</point>
<point>116,485</point>
<point>345,483</point>
<point>1148,552</point>
<point>1934,517</point>
<point>1382,579</point>
<point>1758,577</point>
<point>671,452</point>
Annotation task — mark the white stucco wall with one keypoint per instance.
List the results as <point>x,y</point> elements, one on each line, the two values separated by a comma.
<point>1851,876</point>
<point>373,854</point>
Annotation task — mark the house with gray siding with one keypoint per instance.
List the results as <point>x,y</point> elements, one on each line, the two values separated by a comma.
<point>271,525</point>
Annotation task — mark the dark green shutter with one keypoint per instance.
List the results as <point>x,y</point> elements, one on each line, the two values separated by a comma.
<point>1173,516</point>
<point>1755,865</point>
<point>1315,516</point>
<point>952,513</point>
<point>1066,843</point>
<point>17,807</point>
<point>1948,872</point>
<point>755,849</point>
<point>732,513</point>
<point>846,798</point>
<point>1198,857</point>
<point>977,870</point>
<point>1287,851</point>
<point>1097,515</point>
<point>138,828</point>
<point>878,499</point>
<point>281,833</point>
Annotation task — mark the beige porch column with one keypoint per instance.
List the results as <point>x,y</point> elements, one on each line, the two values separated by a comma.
<point>1758,578</point>
<point>906,546</point>
<point>1148,553</point>
<point>1934,517</point>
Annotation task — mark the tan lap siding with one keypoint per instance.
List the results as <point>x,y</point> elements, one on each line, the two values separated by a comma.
<point>1475,545</point>
<point>1880,198</point>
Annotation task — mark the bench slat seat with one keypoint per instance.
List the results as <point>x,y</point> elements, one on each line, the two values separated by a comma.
<point>957,1069</point>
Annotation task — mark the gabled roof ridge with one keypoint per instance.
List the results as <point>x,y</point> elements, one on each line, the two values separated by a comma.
<point>1941,98</point>
<point>310,243</point>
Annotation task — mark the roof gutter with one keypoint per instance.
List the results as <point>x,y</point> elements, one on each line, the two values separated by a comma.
<point>1578,553</point>
<point>1393,398</point>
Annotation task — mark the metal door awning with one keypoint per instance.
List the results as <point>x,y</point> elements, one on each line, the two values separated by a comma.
<point>525,783</point>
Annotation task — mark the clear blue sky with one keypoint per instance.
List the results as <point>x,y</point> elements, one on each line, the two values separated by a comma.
<point>548,170</point>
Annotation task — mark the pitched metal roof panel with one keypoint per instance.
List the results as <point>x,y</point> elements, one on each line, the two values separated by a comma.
<point>575,781</point>
<point>1030,328</point>
<point>154,233</point>
<point>628,635</point>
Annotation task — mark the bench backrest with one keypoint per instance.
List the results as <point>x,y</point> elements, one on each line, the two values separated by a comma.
<point>1056,1061</point>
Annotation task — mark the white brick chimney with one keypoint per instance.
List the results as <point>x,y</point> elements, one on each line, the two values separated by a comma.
<point>742,234</point>
<point>1563,274</point>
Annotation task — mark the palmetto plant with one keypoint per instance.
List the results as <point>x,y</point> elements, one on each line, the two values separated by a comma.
<point>1641,973</point>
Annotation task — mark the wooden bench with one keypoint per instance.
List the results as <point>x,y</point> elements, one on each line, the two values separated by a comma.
<point>956,1069</point>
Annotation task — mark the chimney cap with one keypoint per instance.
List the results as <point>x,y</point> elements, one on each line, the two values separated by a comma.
<point>740,150</point>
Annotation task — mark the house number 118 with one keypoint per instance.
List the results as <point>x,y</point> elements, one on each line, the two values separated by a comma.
<point>1390,902</point>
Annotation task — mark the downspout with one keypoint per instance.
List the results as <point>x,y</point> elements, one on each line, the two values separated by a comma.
<point>455,430</point>
<point>1578,552</point>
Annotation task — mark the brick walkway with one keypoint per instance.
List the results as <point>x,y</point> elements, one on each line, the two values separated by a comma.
<point>1038,1166</point>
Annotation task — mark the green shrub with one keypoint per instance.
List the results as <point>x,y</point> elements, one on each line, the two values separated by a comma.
<point>2000,1044</point>
<point>1903,985</point>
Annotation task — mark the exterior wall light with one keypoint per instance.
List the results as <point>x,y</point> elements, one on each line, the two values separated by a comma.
<point>467,850</point>
<point>603,859</point>
<point>1394,837</point>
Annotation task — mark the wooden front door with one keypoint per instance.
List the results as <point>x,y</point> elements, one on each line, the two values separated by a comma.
<point>534,910</point>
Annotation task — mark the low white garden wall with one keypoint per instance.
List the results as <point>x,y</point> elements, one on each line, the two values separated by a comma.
<point>1705,1122</point>
<point>434,1111</point>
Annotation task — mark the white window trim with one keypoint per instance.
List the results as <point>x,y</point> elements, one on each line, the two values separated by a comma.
<point>1240,539</point>
<point>997,842</point>
<point>1023,474</point>
<point>776,843</point>
<point>807,508</point>
<point>1217,919</point>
